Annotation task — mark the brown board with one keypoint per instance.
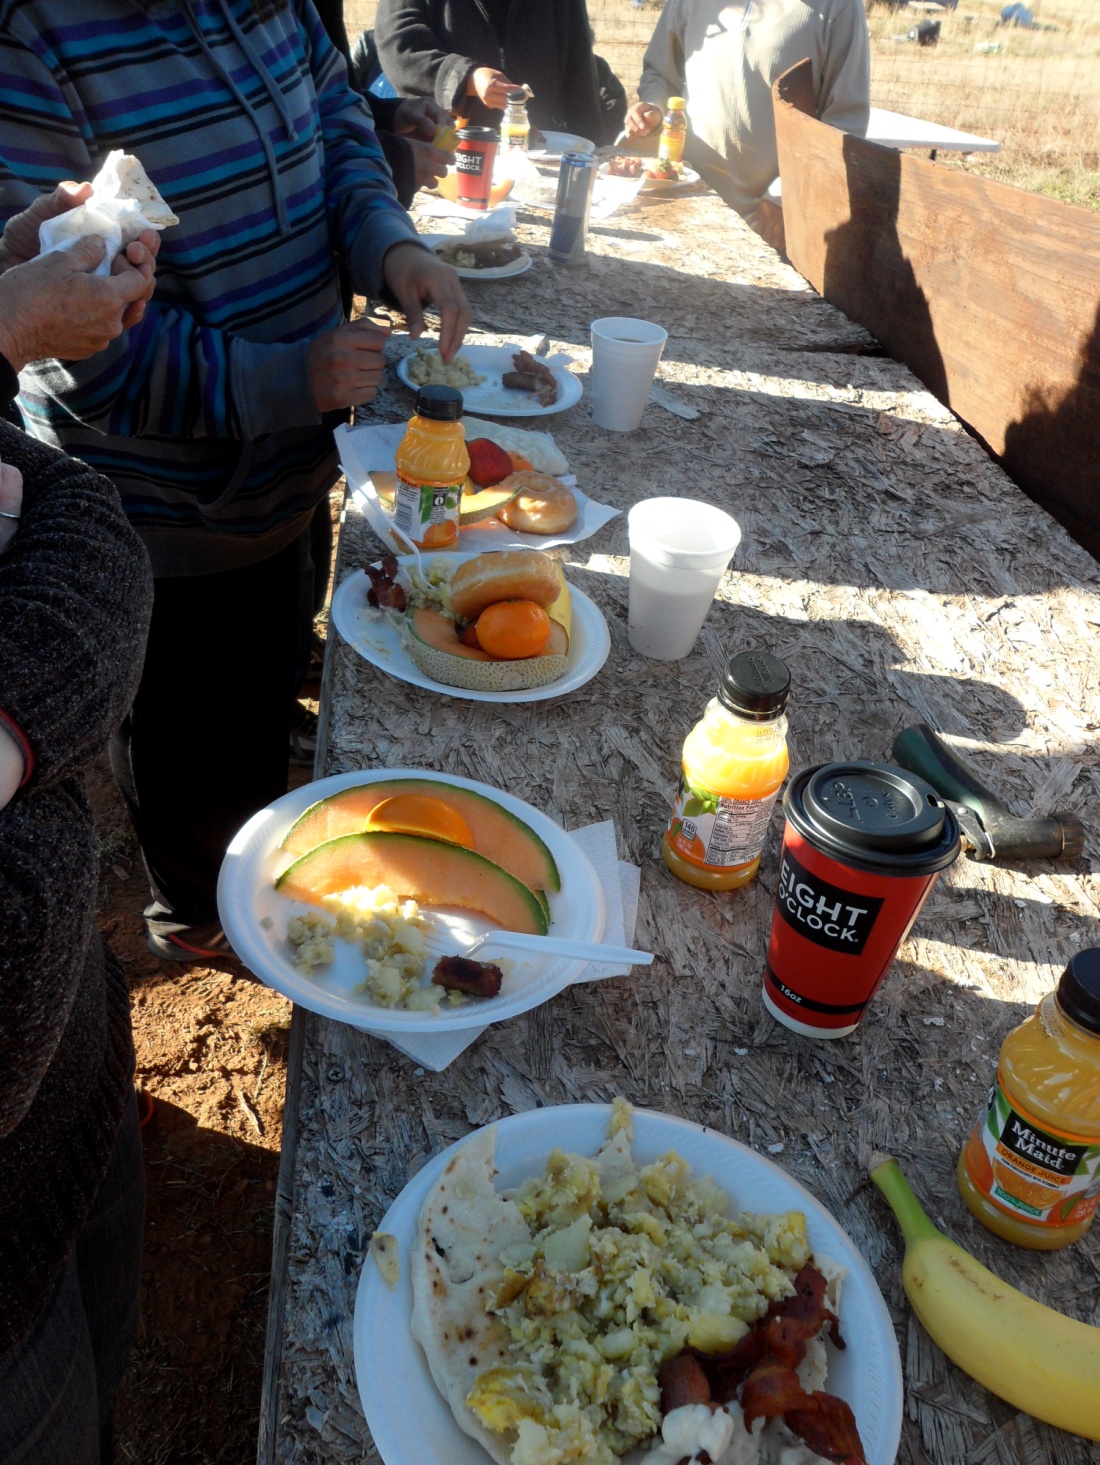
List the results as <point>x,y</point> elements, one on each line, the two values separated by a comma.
<point>991,295</point>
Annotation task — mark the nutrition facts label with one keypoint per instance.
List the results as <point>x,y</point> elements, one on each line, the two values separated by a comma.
<point>739,830</point>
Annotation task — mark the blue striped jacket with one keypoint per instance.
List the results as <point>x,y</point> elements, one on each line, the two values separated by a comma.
<point>203,414</point>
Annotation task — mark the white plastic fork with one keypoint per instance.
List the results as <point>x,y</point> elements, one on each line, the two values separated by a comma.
<point>444,943</point>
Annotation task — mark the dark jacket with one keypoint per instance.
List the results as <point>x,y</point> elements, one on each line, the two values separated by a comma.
<point>75,596</point>
<point>428,48</point>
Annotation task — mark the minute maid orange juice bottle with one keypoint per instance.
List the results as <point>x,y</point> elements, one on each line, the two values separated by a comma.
<point>1030,1170</point>
<point>734,764</point>
<point>432,464</point>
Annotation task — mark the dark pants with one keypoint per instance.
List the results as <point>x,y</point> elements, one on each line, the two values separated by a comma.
<point>206,744</point>
<point>58,1386</point>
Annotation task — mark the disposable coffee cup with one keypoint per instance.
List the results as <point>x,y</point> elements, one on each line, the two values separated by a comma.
<point>625,353</point>
<point>679,550</point>
<point>863,846</point>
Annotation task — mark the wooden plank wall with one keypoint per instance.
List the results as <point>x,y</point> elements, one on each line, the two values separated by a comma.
<point>991,295</point>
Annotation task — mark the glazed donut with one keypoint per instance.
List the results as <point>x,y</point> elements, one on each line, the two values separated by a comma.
<point>507,574</point>
<point>543,505</point>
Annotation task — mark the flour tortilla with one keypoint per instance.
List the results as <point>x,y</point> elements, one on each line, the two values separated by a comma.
<point>135,183</point>
<point>465,1224</point>
<point>455,1267</point>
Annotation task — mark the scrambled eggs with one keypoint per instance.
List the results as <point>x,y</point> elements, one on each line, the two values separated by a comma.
<point>624,1269</point>
<point>428,369</point>
<point>389,932</point>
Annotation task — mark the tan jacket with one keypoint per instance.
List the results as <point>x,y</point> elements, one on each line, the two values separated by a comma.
<point>723,58</point>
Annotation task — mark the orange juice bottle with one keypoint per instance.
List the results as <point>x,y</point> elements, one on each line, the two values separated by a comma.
<point>673,132</point>
<point>432,464</point>
<point>1030,1170</point>
<point>734,763</point>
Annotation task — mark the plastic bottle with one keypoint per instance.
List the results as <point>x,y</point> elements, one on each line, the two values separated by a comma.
<point>1030,1170</point>
<point>432,465</point>
<point>673,132</point>
<point>734,764</point>
<point>515,129</point>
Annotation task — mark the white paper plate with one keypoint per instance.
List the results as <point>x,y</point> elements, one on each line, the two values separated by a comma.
<point>492,398</point>
<point>247,896</point>
<point>378,639</point>
<point>514,267</point>
<point>408,1418</point>
<point>659,185</point>
<point>558,143</point>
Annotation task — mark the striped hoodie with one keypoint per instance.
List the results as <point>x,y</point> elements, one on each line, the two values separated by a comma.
<point>203,414</point>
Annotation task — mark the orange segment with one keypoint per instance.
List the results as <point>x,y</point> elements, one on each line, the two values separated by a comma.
<point>513,629</point>
<point>520,464</point>
<point>423,815</point>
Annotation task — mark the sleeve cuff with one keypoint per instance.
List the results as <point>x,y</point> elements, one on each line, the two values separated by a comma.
<point>271,387</point>
<point>381,230</point>
<point>23,743</point>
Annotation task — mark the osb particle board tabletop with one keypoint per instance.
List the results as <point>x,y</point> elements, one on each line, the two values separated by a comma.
<point>903,578</point>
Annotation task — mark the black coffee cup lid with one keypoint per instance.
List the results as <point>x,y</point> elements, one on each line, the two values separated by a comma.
<point>874,816</point>
<point>1079,989</point>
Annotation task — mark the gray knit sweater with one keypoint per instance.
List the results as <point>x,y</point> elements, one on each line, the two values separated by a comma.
<point>75,597</point>
<point>723,58</point>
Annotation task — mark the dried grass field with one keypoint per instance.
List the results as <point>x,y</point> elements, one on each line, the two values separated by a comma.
<point>1036,91</point>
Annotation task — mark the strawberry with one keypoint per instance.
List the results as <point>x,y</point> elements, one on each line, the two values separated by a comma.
<point>469,636</point>
<point>489,463</point>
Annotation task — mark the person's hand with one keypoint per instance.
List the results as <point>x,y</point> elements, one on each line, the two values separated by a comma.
<point>415,276</point>
<point>140,255</point>
<point>642,119</point>
<point>430,163</point>
<point>20,241</point>
<point>491,86</point>
<point>54,306</point>
<point>11,766</point>
<point>345,365</point>
<point>11,502</point>
<point>421,117</point>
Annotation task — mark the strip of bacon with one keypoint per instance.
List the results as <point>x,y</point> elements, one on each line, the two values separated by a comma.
<point>829,1428</point>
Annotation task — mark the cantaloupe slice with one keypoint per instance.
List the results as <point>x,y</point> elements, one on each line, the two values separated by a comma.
<point>431,872</point>
<point>433,645</point>
<point>499,835</point>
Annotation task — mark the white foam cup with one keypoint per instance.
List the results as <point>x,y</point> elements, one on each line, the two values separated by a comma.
<point>679,550</point>
<point>625,353</point>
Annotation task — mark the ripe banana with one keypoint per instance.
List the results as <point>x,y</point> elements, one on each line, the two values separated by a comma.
<point>1042,1362</point>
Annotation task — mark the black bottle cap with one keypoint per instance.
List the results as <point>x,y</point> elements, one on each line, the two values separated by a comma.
<point>439,404</point>
<point>1079,989</point>
<point>518,97</point>
<point>874,817</point>
<point>755,685</point>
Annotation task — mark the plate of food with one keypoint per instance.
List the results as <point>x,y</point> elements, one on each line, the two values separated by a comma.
<point>501,381</point>
<point>484,257</point>
<point>418,629</point>
<point>556,144</point>
<point>657,175</point>
<point>539,1308</point>
<point>346,893</point>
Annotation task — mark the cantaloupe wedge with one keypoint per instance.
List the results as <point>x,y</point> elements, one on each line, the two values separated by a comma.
<point>431,872</point>
<point>499,835</point>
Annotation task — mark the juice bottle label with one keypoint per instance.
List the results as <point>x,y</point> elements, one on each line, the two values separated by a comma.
<point>714,832</point>
<point>1047,1177</point>
<point>427,513</point>
<point>671,147</point>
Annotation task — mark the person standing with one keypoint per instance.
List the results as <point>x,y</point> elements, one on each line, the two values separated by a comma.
<point>469,54</point>
<point>724,58</point>
<point>214,418</point>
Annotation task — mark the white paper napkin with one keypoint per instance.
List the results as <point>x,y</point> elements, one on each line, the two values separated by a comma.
<point>364,448</point>
<point>620,883</point>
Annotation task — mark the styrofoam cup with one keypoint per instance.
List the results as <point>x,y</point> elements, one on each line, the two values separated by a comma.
<point>679,550</point>
<point>625,353</point>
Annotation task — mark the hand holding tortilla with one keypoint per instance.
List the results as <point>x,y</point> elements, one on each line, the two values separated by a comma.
<point>123,204</point>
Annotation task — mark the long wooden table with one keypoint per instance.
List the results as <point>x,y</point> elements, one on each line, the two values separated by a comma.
<point>903,578</point>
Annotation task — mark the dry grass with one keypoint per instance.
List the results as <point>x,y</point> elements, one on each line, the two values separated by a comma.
<point>1036,91</point>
